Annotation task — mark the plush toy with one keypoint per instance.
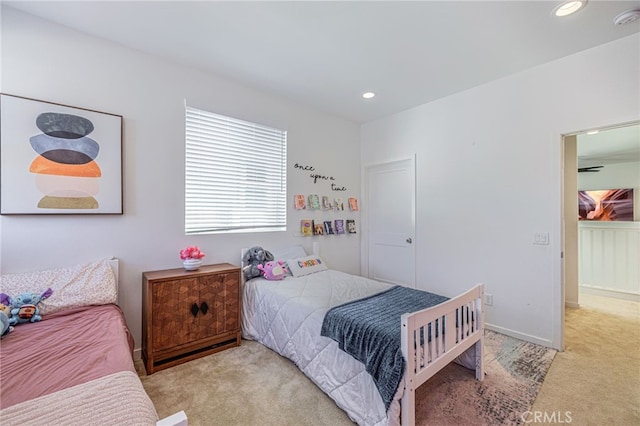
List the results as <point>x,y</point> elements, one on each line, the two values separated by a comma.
<point>273,270</point>
<point>252,258</point>
<point>5,313</point>
<point>24,307</point>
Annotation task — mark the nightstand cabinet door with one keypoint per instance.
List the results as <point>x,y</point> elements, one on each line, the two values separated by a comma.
<point>221,294</point>
<point>172,322</point>
<point>189,314</point>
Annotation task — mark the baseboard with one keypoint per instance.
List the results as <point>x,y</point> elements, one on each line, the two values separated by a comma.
<point>522,336</point>
<point>137,354</point>
<point>616,294</point>
<point>574,305</point>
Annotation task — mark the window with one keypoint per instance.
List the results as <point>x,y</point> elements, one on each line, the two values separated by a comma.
<point>235,175</point>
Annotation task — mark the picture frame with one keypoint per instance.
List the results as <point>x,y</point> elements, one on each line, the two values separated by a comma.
<point>58,159</point>
<point>606,205</point>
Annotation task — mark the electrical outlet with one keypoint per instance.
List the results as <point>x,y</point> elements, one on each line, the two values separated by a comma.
<point>488,299</point>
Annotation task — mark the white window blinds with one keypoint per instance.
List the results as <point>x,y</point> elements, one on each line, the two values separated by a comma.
<point>235,175</point>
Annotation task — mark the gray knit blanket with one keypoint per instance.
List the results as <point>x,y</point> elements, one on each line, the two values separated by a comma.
<point>369,330</point>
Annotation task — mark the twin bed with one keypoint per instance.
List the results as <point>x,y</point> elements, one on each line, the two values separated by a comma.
<point>292,317</point>
<point>75,366</point>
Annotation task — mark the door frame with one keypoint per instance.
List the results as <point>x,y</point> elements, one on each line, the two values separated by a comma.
<point>364,218</point>
<point>569,237</point>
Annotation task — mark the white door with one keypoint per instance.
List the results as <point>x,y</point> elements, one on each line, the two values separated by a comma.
<point>391,189</point>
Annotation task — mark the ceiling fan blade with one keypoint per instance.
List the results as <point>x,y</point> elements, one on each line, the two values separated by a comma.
<point>589,169</point>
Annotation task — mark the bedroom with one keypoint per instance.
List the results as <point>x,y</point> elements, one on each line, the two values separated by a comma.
<point>515,124</point>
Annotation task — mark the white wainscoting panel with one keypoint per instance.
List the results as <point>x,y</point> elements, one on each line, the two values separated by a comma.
<point>609,259</point>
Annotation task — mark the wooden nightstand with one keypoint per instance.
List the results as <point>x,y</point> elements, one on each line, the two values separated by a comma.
<point>189,314</point>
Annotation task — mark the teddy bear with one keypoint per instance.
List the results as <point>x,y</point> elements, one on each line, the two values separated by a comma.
<point>5,313</point>
<point>273,270</point>
<point>23,306</point>
<point>252,258</point>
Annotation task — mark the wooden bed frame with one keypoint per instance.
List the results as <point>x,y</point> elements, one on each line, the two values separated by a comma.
<point>465,314</point>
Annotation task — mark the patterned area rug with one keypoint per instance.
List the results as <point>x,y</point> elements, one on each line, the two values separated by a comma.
<point>514,371</point>
<point>252,385</point>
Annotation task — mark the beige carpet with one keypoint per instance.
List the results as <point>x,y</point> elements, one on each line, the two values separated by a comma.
<point>596,380</point>
<point>246,385</point>
<point>251,385</point>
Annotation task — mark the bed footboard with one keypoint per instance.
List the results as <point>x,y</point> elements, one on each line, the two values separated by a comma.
<point>434,337</point>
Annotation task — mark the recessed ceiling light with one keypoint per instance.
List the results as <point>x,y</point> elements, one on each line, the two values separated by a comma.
<point>368,95</point>
<point>568,7</point>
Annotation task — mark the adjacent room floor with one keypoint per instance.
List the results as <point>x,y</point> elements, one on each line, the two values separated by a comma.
<point>596,380</point>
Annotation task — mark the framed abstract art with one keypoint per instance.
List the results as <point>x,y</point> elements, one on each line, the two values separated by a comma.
<point>58,159</point>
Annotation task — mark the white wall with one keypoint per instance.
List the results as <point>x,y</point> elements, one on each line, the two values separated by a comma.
<point>489,172</point>
<point>610,258</point>
<point>49,62</point>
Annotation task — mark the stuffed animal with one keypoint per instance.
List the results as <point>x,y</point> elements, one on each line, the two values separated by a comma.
<point>273,270</point>
<point>252,258</point>
<point>5,313</point>
<point>24,307</point>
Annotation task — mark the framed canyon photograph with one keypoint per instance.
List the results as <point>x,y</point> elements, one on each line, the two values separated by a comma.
<point>606,205</point>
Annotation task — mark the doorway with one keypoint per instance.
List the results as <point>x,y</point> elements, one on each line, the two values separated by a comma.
<point>599,255</point>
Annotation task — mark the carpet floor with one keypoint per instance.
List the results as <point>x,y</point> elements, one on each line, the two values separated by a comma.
<point>596,380</point>
<point>252,385</point>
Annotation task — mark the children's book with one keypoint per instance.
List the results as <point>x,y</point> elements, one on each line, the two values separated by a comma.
<point>339,226</point>
<point>351,226</point>
<point>338,204</point>
<point>299,202</point>
<point>314,202</point>
<point>318,228</point>
<point>353,204</point>
<point>326,204</point>
<point>306,227</point>
<point>328,227</point>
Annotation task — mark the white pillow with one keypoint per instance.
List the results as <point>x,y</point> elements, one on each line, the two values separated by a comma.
<point>286,253</point>
<point>306,265</point>
<point>292,252</point>
<point>74,286</point>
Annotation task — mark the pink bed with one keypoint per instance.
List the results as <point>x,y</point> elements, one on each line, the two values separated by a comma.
<point>65,349</point>
<point>75,366</point>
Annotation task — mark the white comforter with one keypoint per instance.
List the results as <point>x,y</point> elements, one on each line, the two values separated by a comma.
<point>287,315</point>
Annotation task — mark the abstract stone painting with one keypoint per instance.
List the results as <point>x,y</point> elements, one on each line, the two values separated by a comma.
<point>58,159</point>
<point>65,151</point>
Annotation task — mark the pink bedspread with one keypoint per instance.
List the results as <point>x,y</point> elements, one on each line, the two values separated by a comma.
<point>64,349</point>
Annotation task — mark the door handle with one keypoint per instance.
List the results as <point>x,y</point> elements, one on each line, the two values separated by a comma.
<point>409,240</point>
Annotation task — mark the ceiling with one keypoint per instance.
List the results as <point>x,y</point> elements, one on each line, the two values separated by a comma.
<point>610,146</point>
<point>326,54</point>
